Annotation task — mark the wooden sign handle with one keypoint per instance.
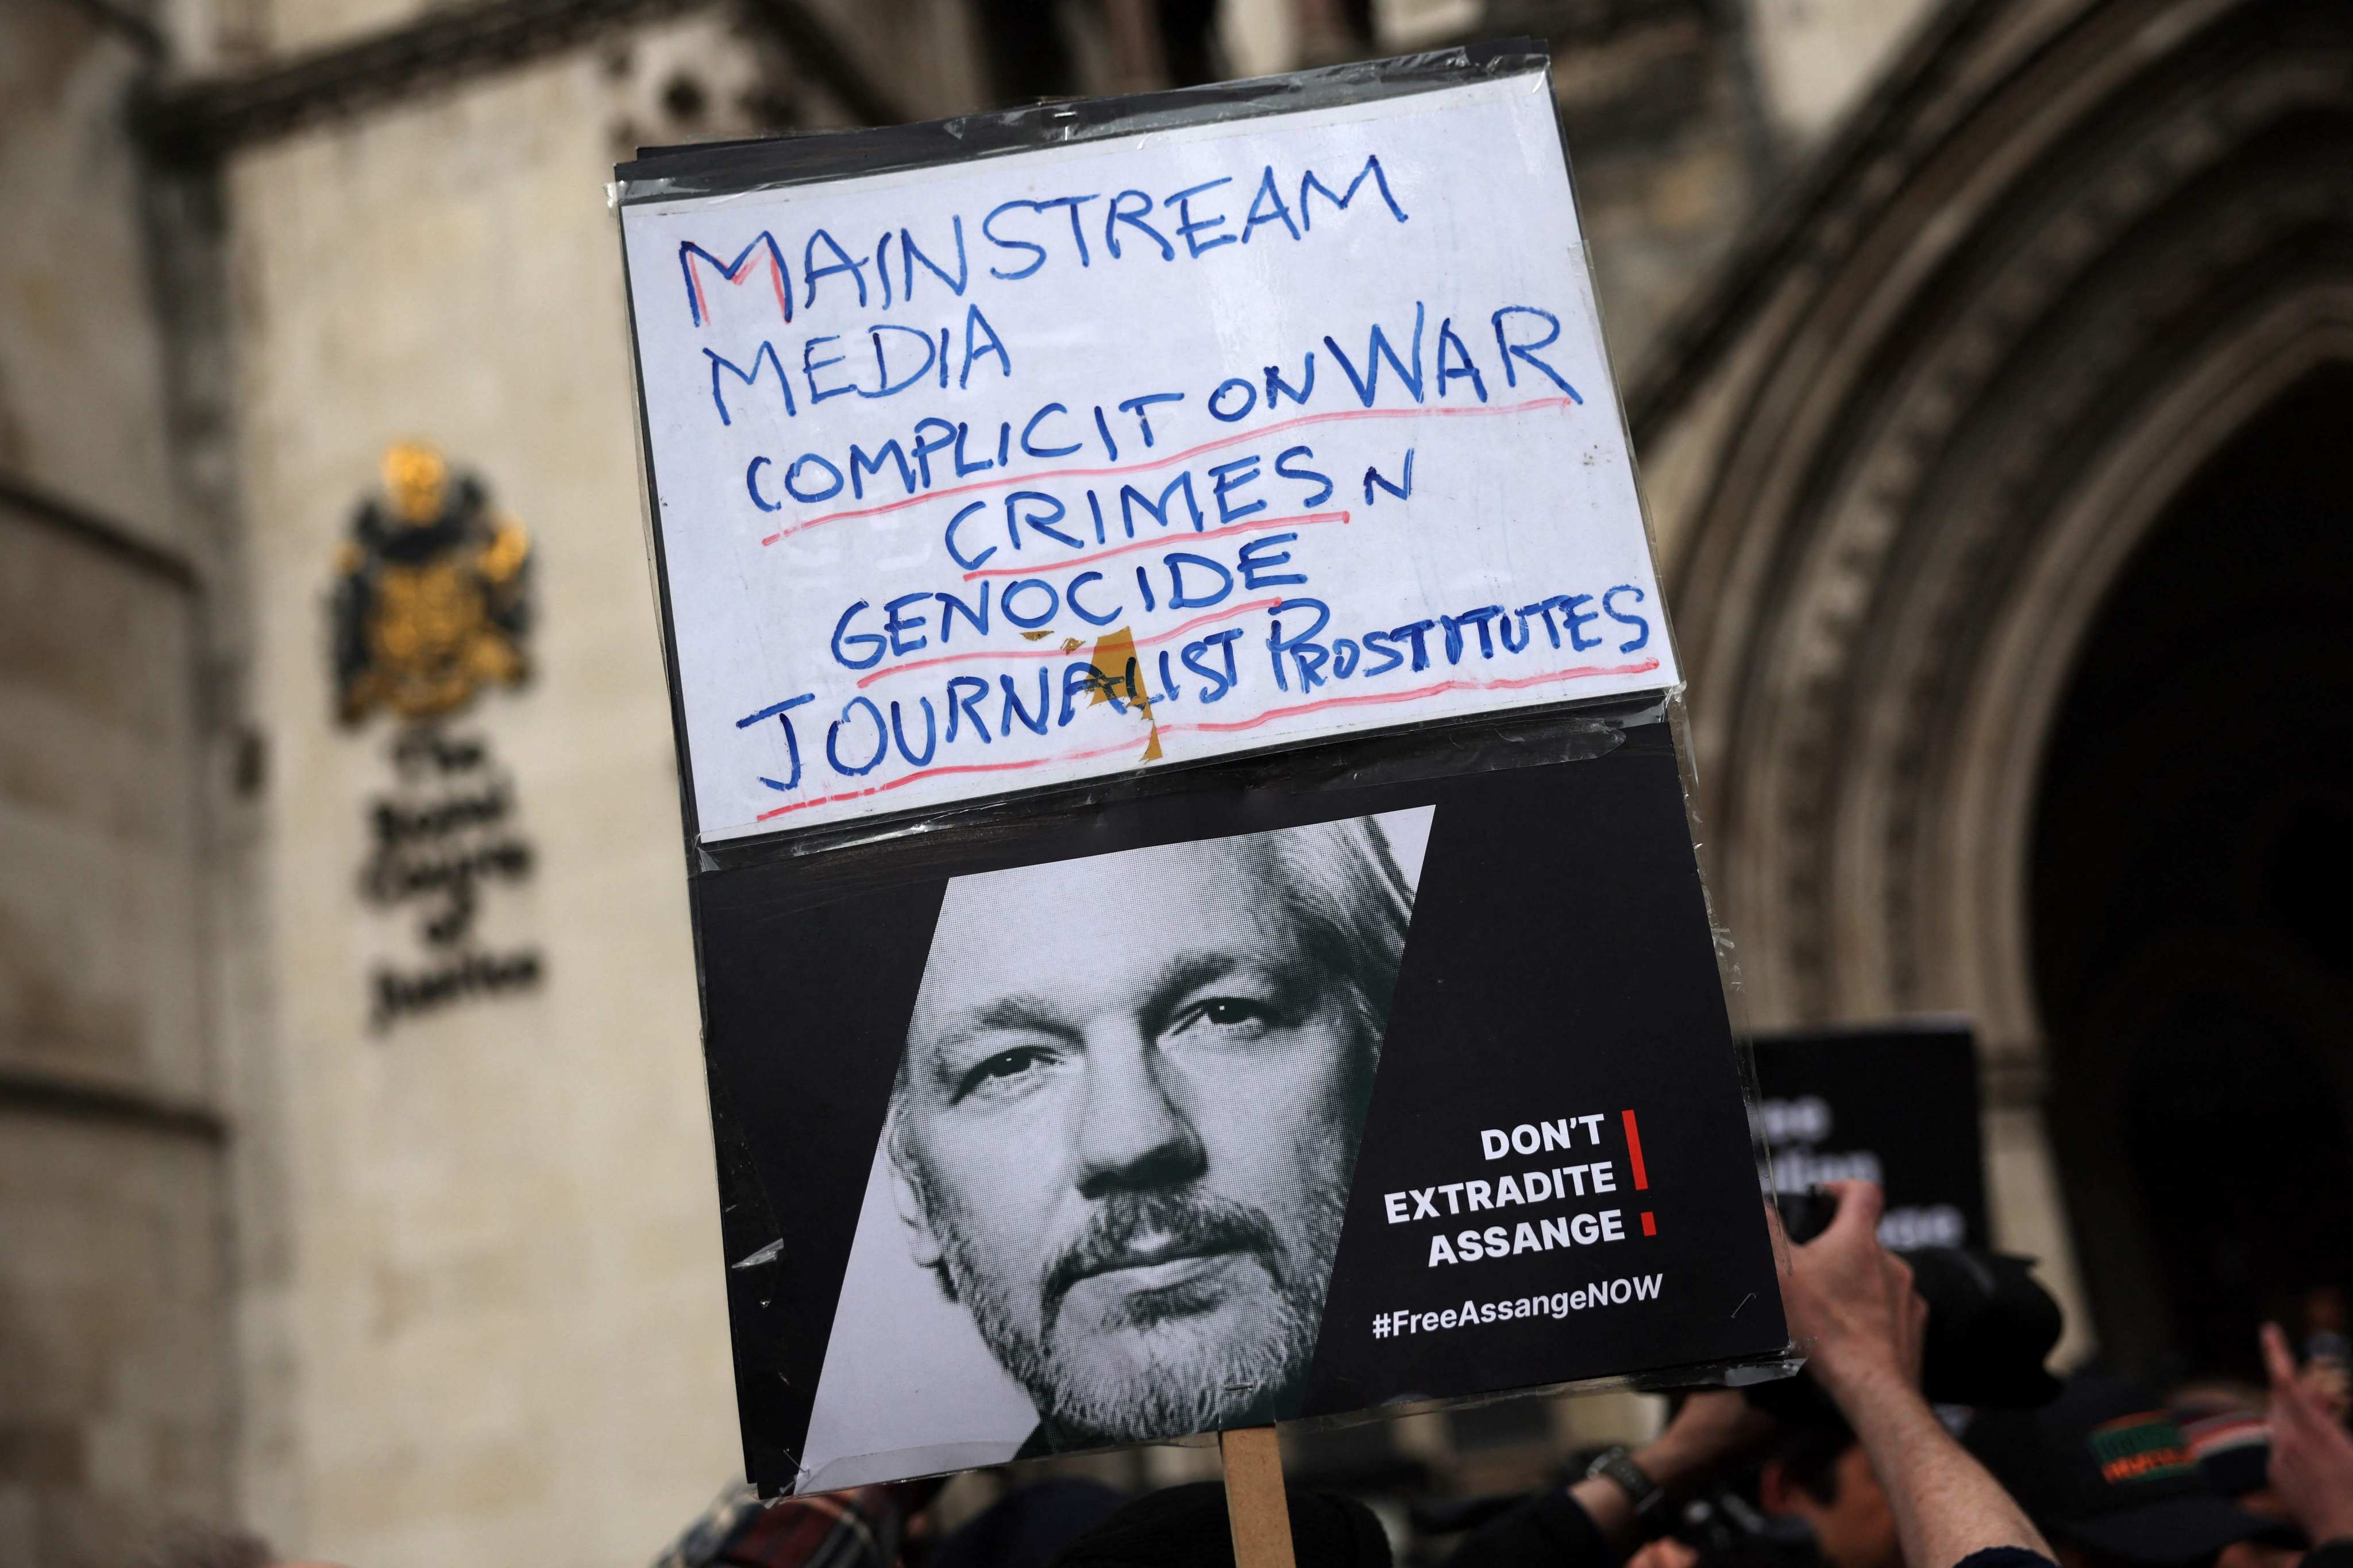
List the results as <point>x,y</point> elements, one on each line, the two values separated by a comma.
<point>1255,1504</point>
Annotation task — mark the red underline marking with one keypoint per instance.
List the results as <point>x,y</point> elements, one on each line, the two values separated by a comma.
<point>1258,527</point>
<point>1245,724</point>
<point>1371,698</point>
<point>1634,1155</point>
<point>1177,631</point>
<point>1260,434</point>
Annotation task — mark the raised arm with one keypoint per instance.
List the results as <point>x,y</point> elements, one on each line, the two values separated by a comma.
<point>2311,1456</point>
<point>1856,1316</point>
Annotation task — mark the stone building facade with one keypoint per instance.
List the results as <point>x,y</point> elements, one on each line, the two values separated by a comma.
<point>1930,324</point>
<point>118,1371</point>
<point>2039,357</point>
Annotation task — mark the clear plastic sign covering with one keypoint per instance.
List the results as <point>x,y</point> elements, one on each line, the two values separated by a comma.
<point>1197,916</point>
<point>1134,450</point>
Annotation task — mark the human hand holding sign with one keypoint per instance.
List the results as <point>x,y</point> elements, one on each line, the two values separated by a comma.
<point>2312,1455</point>
<point>1854,1312</point>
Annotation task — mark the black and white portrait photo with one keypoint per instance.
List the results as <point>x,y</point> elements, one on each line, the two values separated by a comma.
<point>1217,1108</point>
<point>1111,1182</point>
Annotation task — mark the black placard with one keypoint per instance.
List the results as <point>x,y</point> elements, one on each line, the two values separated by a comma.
<point>1897,1106</point>
<point>1556,1007</point>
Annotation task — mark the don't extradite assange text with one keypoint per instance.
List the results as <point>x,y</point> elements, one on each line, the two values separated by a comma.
<point>1559,1304</point>
<point>1547,1184</point>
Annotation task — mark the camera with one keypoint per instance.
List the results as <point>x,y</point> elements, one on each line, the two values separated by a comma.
<point>1991,1323</point>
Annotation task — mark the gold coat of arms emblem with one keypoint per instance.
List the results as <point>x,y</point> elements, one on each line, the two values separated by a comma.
<point>431,601</point>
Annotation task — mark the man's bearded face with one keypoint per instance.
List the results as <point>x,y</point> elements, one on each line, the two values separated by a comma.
<point>1125,1131</point>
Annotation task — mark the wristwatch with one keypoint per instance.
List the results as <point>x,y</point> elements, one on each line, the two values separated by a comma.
<point>1617,1465</point>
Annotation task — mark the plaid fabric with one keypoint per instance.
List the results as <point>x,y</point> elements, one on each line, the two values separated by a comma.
<point>856,1529</point>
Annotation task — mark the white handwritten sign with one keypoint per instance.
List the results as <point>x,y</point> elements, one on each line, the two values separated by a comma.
<point>1044,466</point>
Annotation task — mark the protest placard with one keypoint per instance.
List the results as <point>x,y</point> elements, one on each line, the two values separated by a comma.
<point>1219,1109</point>
<point>1355,1037</point>
<point>1896,1105</point>
<point>1143,449</point>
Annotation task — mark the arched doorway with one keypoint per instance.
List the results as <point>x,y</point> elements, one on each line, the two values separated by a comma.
<point>2193,938</point>
<point>2052,278</point>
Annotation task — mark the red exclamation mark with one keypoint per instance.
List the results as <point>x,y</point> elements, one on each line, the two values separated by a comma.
<point>1641,1176</point>
<point>1634,1154</point>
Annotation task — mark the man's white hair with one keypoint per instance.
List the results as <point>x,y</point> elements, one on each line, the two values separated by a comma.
<point>1342,880</point>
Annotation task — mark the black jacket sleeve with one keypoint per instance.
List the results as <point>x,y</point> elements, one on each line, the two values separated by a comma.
<point>1551,1529</point>
<point>2005,1557</point>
